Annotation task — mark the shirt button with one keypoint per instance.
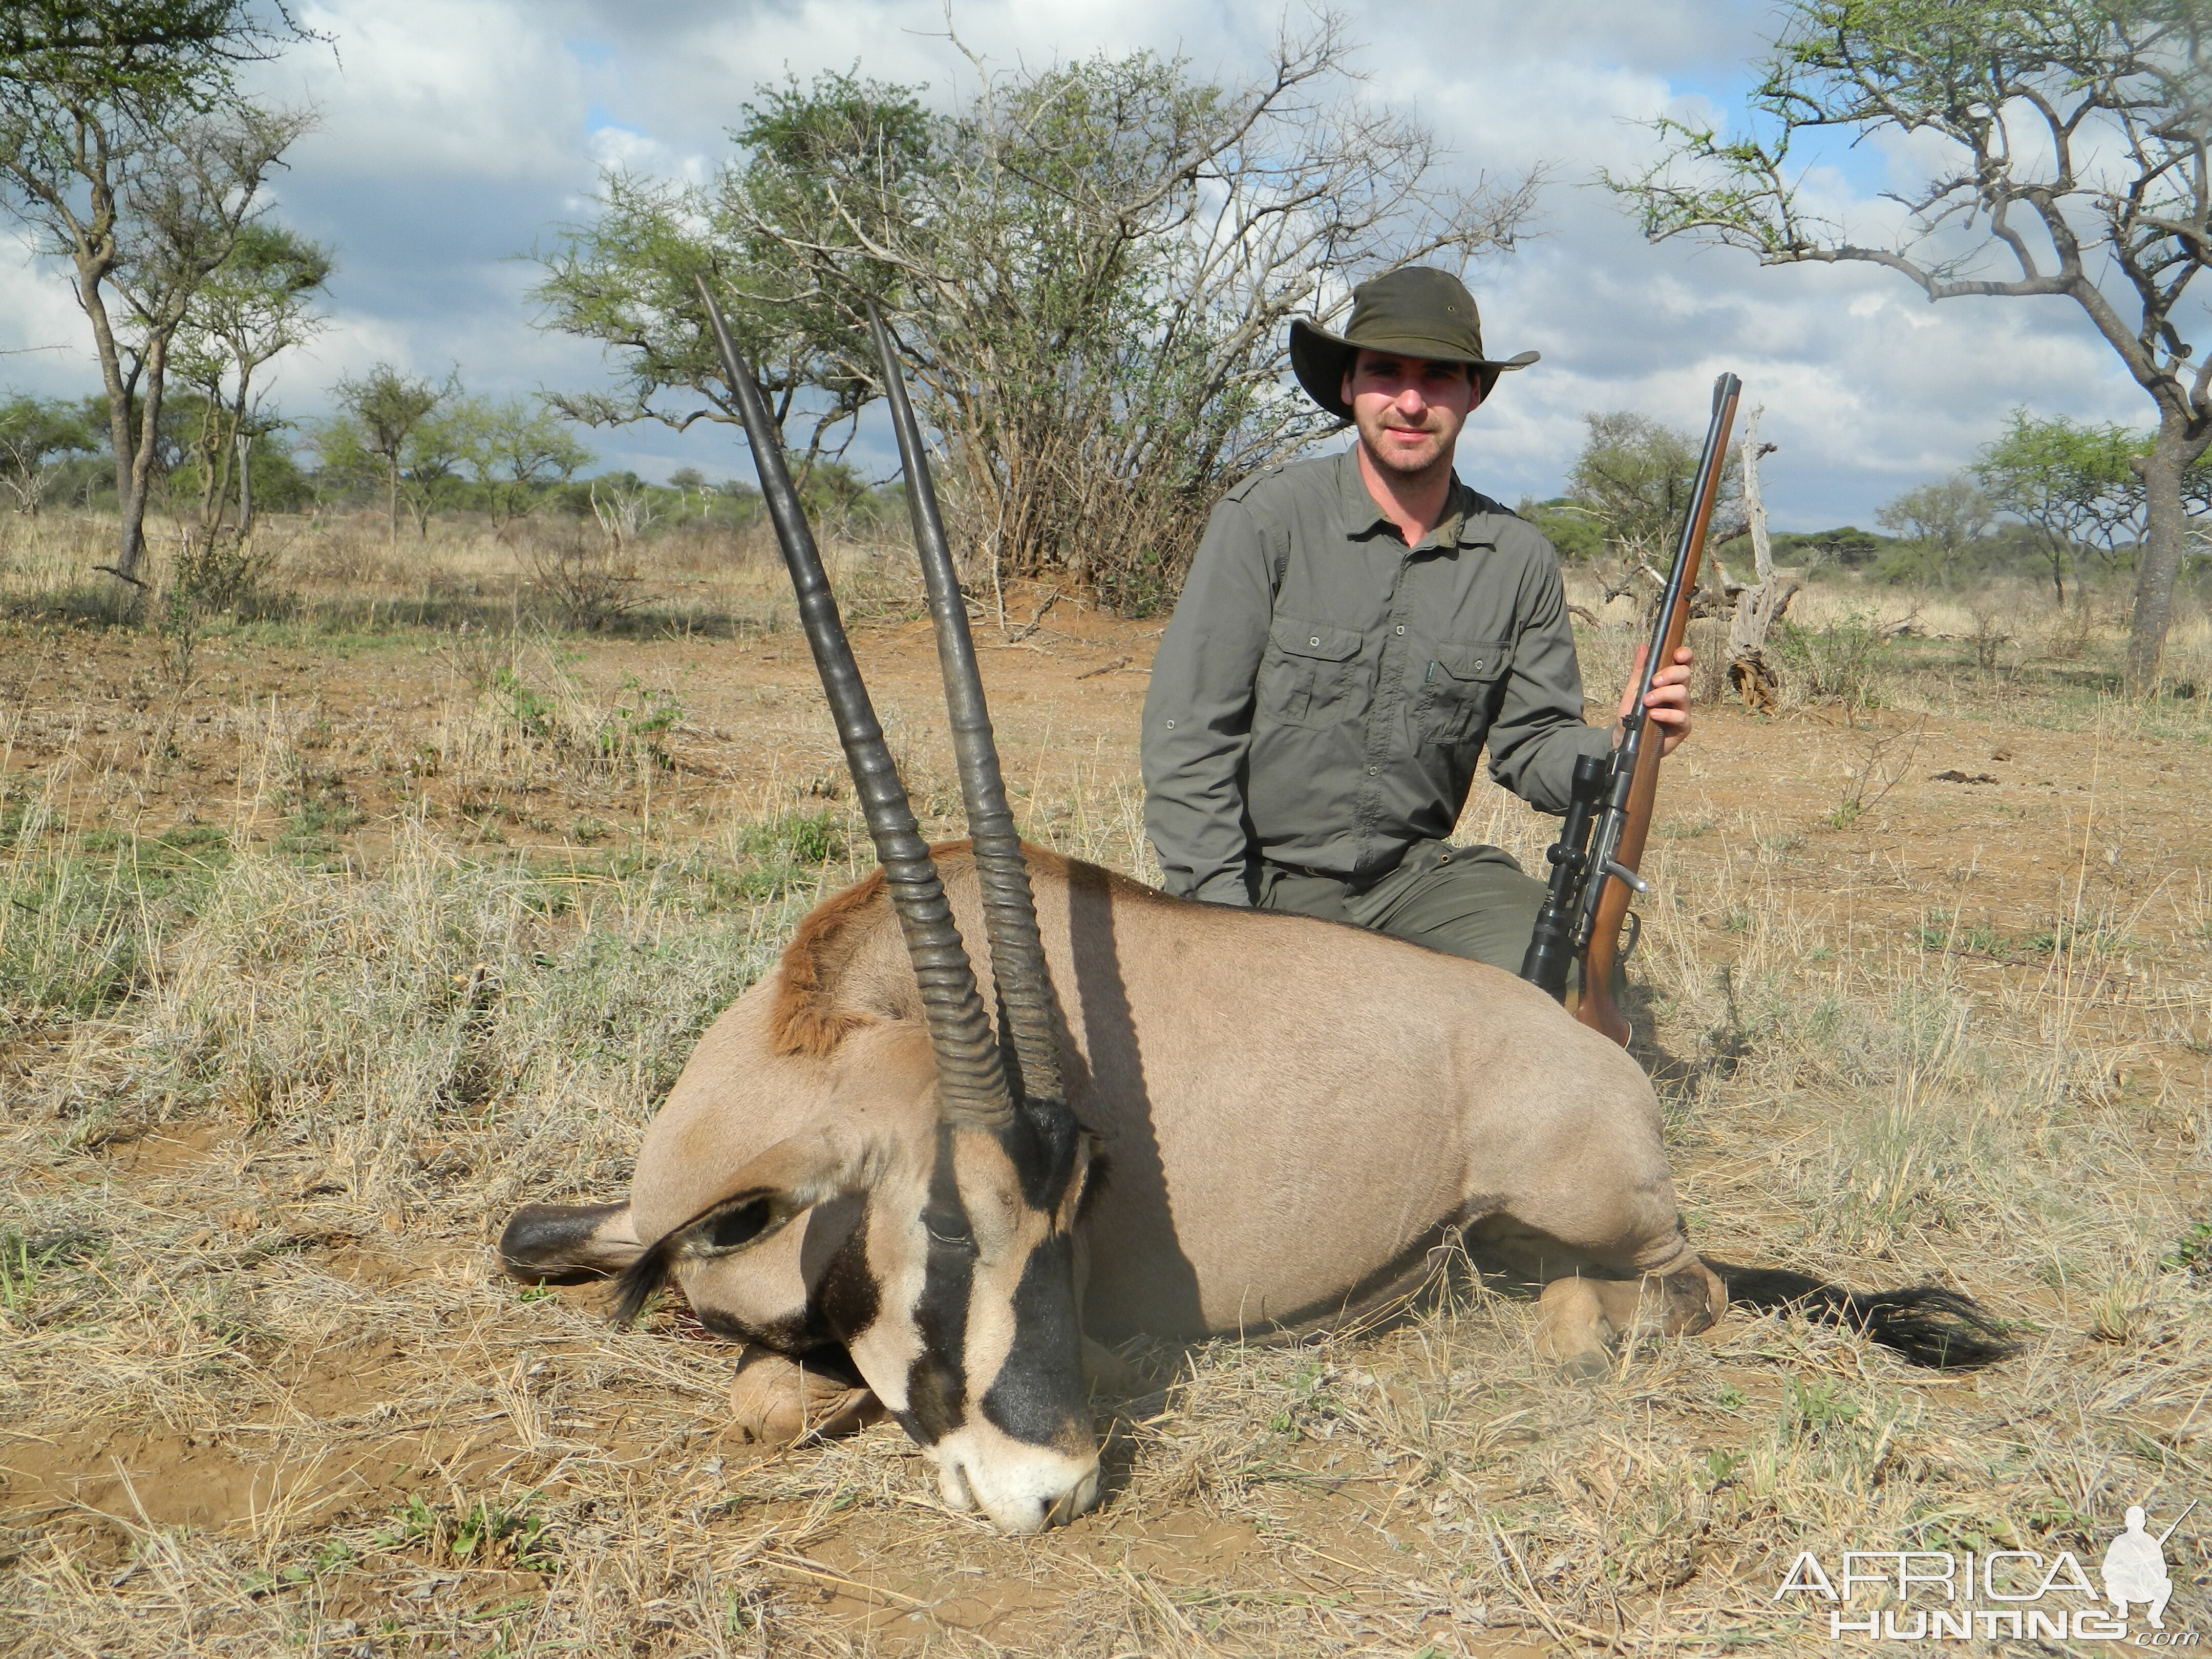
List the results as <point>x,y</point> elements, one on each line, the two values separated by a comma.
<point>1371,771</point>
<point>1316,639</point>
<point>1400,628</point>
<point>1171,725</point>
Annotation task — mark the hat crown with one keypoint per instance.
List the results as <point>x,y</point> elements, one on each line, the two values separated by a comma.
<point>1417,312</point>
<point>1417,306</point>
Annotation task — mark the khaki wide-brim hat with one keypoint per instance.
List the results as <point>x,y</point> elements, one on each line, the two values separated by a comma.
<point>1417,311</point>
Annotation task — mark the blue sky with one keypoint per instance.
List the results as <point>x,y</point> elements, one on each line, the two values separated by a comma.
<point>456,134</point>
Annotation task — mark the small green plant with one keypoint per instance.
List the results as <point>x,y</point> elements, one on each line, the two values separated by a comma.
<point>635,725</point>
<point>1812,1406</point>
<point>532,713</point>
<point>483,1534</point>
<point>789,848</point>
<point>1720,1467</point>
<point>1843,664</point>
<point>20,1268</point>
<point>2191,1253</point>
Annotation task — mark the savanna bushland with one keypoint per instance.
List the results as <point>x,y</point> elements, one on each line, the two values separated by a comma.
<point>340,918</point>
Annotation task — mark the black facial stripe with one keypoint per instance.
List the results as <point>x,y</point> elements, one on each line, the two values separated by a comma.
<point>1038,1394</point>
<point>848,1300</point>
<point>937,1382</point>
<point>800,1337</point>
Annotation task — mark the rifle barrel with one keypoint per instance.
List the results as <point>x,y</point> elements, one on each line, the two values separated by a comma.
<point>2177,1520</point>
<point>1617,843</point>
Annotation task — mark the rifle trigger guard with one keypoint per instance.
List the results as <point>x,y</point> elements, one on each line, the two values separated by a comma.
<point>1631,926</point>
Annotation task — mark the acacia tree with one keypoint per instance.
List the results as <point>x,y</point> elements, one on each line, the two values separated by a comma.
<point>1090,269</point>
<point>126,150</point>
<point>515,449</point>
<point>1635,476</point>
<point>256,305</point>
<point>385,409</point>
<point>2067,147</point>
<point>1945,518</point>
<point>34,435</point>
<point>2076,483</point>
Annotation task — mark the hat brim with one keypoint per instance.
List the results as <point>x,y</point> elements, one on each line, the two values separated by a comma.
<point>1319,359</point>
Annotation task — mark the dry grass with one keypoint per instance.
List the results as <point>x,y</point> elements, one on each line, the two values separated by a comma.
<point>272,1079</point>
<point>347,572</point>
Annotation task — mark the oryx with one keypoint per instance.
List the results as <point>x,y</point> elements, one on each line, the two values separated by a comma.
<point>1191,1120</point>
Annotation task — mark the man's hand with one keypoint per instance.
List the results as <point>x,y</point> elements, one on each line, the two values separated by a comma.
<point>1669,703</point>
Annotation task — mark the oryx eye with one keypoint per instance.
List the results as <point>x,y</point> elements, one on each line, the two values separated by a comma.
<point>950,1230</point>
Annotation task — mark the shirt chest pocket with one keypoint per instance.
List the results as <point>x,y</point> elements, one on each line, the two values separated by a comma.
<point>1459,690</point>
<point>1316,674</point>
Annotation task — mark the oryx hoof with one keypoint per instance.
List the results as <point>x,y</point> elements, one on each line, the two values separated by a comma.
<point>1572,1330</point>
<point>775,1400</point>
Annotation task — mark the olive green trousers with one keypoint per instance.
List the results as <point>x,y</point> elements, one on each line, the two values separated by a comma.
<point>1472,902</point>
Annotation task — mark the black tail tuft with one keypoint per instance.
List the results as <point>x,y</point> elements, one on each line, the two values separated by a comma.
<point>635,1283</point>
<point>1926,1323</point>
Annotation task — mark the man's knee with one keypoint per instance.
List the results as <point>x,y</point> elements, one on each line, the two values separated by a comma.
<point>1472,902</point>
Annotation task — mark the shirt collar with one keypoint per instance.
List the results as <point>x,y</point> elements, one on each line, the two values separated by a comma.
<point>1465,522</point>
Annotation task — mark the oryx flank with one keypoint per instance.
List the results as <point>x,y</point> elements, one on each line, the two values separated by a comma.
<point>1192,1119</point>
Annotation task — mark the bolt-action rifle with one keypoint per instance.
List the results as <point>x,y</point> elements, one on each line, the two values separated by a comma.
<point>1593,863</point>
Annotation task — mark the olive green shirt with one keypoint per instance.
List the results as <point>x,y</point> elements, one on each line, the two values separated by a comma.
<point>1323,693</point>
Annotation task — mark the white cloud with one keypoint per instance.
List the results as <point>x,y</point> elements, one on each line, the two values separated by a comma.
<point>411,89</point>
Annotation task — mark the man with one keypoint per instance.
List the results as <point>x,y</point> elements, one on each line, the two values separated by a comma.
<point>2135,1569</point>
<point>1355,629</point>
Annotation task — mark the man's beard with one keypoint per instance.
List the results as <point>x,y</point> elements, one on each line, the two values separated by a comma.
<point>1402,465</point>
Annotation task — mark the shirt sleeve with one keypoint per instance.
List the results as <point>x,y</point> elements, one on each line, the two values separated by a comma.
<point>1198,714</point>
<point>1539,733</point>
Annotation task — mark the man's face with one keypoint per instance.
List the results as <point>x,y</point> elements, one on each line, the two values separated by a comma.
<point>1408,409</point>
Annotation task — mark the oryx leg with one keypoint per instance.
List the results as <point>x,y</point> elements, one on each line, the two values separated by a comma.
<point>776,1399</point>
<point>1613,1263</point>
<point>1581,1320</point>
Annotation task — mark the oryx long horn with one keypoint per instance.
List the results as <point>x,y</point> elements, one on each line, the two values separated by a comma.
<point>971,1080</point>
<point>1009,916</point>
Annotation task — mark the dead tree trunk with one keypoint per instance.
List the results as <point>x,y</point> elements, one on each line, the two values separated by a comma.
<point>1759,606</point>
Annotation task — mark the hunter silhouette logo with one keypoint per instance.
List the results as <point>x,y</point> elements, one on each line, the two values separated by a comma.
<point>2135,1567</point>
<point>1924,1595</point>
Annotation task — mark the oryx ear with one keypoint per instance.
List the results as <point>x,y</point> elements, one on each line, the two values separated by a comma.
<point>787,1180</point>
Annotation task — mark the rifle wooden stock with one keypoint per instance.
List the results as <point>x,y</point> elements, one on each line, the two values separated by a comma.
<point>1594,1006</point>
